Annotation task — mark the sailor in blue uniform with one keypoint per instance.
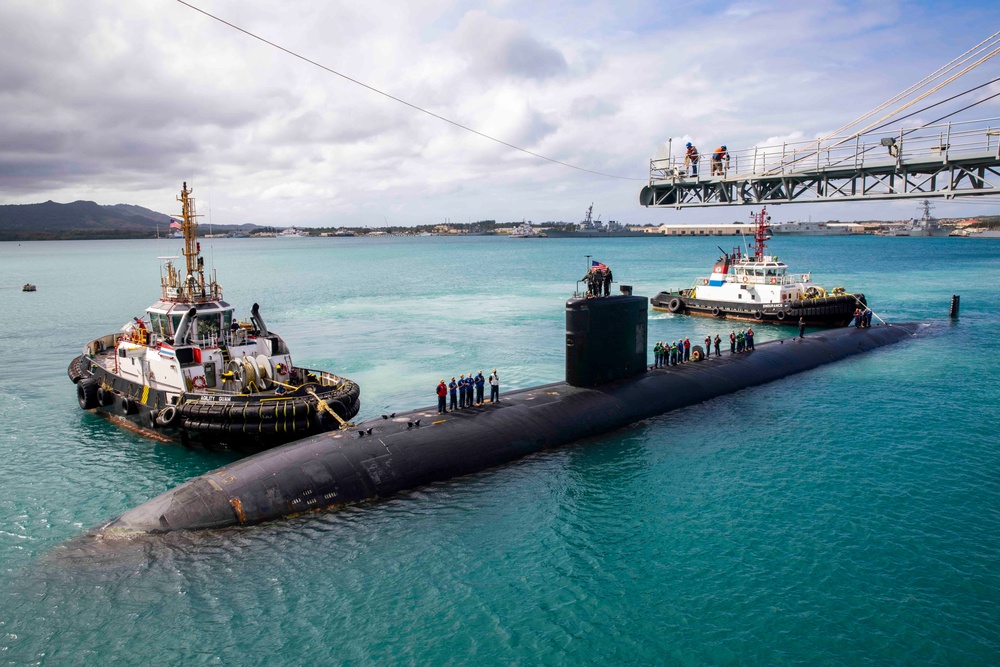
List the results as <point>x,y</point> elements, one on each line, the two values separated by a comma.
<point>480,383</point>
<point>461,391</point>
<point>452,391</point>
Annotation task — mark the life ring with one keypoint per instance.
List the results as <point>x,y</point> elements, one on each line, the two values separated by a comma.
<point>774,281</point>
<point>781,315</point>
<point>696,355</point>
<point>716,312</point>
<point>674,305</point>
<point>168,416</point>
<point>758,315</point>
<point>704,281</point>
<point>199,382</point>
<point>280,369</point>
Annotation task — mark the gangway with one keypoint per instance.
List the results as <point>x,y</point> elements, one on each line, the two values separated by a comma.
<point>956,159</point>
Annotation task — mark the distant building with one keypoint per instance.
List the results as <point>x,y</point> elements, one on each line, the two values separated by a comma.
<point>731,229</point>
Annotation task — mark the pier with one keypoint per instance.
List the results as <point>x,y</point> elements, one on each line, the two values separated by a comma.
<point>950,160</point>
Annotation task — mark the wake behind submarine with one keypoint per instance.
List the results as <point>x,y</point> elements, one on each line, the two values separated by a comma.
<point>608,385</point>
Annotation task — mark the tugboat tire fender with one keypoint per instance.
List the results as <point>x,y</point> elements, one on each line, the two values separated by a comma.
<point>716,312</point>
<point>758,315</point>
<point>781,315</point>
<point>125,405</point>
<point>168,416</point>
<point>102,396</point>
<point>674,305</point>
<point>86,394</point>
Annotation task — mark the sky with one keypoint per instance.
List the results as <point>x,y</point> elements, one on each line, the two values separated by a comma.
<point>119,102</point>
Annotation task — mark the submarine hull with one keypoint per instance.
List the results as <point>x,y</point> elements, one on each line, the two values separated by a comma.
<point>339,468</point>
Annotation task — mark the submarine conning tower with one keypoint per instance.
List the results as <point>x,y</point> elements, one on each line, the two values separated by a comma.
<point>605,338</point>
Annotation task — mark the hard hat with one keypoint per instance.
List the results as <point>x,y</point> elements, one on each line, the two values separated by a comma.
<point>689,143</point>
<point>723,147</point>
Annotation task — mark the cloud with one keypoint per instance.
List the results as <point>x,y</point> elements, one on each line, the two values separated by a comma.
<point>504,48</point>
<point>120,102</point>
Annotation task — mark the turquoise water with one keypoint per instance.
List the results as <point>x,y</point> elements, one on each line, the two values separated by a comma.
<point>847,516</point>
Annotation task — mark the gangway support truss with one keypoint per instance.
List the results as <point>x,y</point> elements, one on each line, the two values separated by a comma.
<point>953,160</point>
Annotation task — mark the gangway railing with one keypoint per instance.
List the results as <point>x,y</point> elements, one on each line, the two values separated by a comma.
<point>952,159</point>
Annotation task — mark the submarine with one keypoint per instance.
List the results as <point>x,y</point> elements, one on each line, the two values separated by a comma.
<point>608,385</point>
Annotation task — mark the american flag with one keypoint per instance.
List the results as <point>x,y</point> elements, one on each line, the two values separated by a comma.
<point>598,266</point>
<point>175,225</point>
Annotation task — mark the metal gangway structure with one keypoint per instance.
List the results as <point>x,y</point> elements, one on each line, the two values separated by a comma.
<point>947,160</point>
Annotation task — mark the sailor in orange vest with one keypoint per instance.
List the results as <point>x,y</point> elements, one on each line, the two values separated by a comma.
<point>720,155</point>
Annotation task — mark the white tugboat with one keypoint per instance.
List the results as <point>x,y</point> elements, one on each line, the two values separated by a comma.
<point>759,288</point>
<point>190,371</point>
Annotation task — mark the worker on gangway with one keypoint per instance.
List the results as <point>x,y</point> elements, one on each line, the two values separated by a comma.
<point>720,157</point>
<point>691,159</point>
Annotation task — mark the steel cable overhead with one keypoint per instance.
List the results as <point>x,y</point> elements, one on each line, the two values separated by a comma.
<point>401,101</point>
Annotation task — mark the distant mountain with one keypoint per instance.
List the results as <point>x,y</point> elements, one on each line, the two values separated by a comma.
<point>85,220</point>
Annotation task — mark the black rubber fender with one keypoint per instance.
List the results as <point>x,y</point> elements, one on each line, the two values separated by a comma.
<point>168,416</point>
<point>86,394</point>
<point>675,305</point>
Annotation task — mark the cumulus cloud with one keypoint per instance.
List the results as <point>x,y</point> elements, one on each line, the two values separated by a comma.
<point>498,47</point>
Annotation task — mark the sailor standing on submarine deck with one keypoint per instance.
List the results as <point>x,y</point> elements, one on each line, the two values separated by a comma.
<point>442,392</point>
<point>480,382</point>
<point>494,386</point>
<point>452,391</point>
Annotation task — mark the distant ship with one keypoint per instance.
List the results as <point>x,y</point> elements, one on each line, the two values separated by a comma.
<point>810,229</point>
<point>291,231</point>
<point>925,226</point>
<point>526,231</point>
<point>590,228</point>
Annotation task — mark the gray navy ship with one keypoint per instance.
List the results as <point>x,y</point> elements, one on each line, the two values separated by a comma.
<point>590,228</point>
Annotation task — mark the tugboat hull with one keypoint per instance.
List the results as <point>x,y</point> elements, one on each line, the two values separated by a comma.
<point>236,422</point>
<point>828,311</point>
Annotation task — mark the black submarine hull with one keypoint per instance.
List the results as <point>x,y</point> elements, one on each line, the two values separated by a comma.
<point>339,468</point>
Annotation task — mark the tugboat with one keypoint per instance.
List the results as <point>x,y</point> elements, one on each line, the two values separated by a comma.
<point>759,288</point>
<point>189,371</point>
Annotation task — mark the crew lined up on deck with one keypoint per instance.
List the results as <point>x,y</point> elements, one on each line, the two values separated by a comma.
<point>673,353</point>
<point>467,392</point>
<point>862,318</point>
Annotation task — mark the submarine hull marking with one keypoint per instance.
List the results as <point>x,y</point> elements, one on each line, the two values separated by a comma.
<point>337,472</point>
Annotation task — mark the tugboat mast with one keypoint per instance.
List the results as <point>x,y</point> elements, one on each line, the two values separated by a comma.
<point>191,249</point>
<point>760,233</point>
<point>189,287</point>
